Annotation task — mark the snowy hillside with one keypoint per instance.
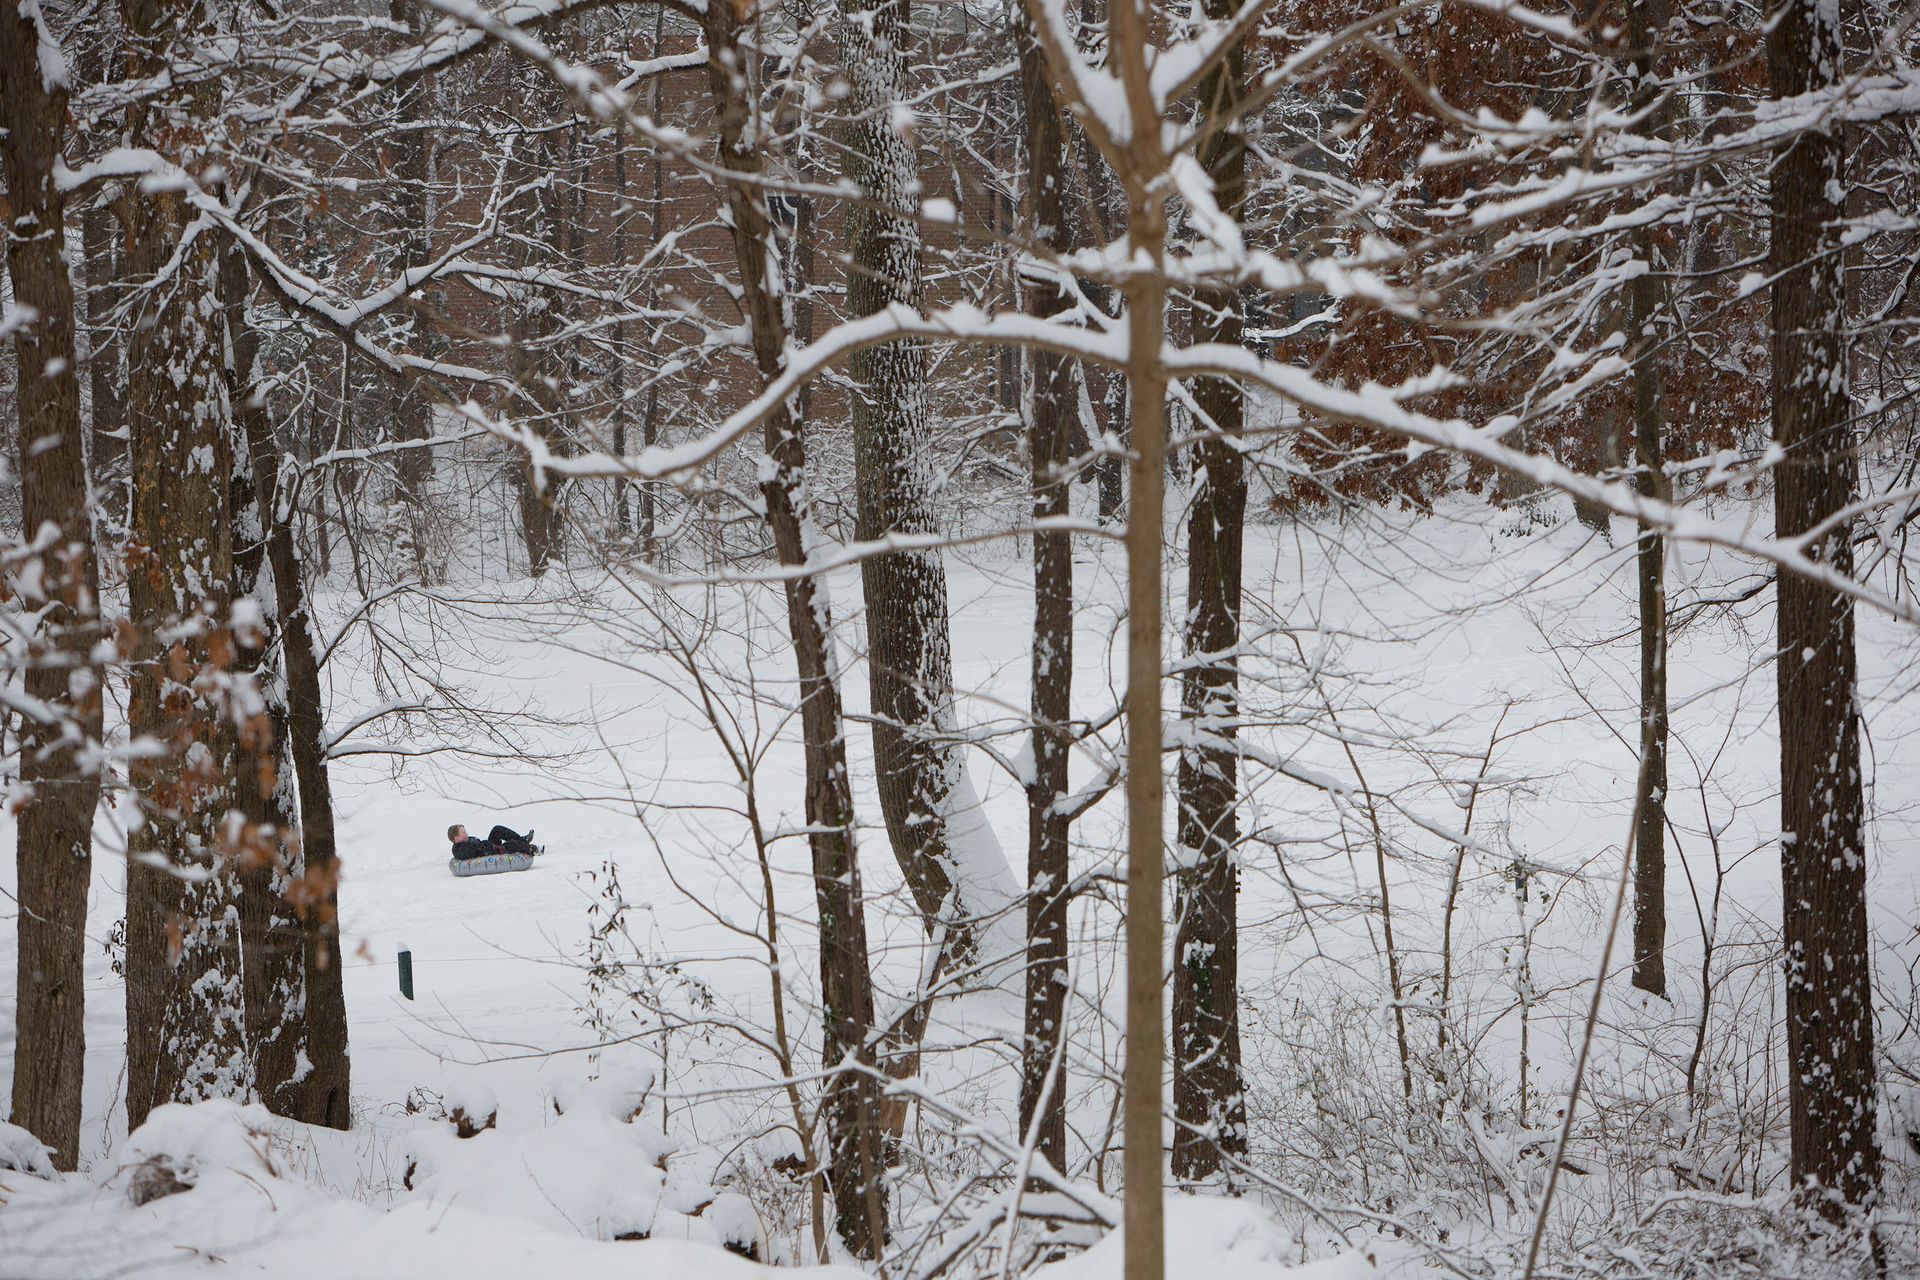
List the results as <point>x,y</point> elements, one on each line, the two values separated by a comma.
<point>1447,631</point>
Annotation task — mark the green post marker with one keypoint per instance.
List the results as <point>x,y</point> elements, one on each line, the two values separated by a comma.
<point>406,973</point>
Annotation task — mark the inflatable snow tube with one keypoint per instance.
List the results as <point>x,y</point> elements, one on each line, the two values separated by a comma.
<point>491,864</point>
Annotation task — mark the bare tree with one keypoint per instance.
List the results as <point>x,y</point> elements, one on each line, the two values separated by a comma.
<point>852,1103</point>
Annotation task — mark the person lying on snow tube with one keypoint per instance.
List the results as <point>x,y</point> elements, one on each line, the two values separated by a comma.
<point>499,840</point>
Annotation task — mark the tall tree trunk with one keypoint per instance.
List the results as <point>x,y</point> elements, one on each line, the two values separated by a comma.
<point>1142,1091</point>
<point>852,1103</point>
<point>185,1034</point>
<point>1823,856</point>
<point>1644,300</point>
<point>921,768</point>
<point>265,791</point>
<point>1209,1100</point>
<point>1055,408</point>
<point>55,832</point>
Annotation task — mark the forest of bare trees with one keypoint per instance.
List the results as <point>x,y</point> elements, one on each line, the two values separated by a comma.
<point>1402,509</point>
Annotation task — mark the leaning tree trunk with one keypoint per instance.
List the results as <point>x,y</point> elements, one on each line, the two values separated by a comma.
<point>1055,413</point>
<point>321,1096</point>
<point>55,814</point>
<point>185,1034</point>
<point>1823,855</point>
<point>921,768</point>
<point>265,794</point>
<point>1209,1102</point>
<point>852,1103</point>
<point>324,1096</point>
<point>1644,301</point>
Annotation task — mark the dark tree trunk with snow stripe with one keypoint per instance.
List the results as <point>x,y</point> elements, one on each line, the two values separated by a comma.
<point>1823,855</point>
<point>1208,1097</point>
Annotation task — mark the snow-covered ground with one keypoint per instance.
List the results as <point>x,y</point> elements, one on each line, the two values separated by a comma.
<point>1420,635</point>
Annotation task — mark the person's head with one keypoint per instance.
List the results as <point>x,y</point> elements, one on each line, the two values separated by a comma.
<point>456,833</point>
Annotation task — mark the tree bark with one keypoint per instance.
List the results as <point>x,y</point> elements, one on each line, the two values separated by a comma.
<point>185,1033</point>
<point>921,768</point>
<point>1054,412</point>
<point>55,833</point>
<point>1209,1100</point>
<point>1823,856</point>
<point>852,1103</point>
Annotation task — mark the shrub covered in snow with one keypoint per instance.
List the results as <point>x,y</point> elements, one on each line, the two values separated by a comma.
<point>21,1152</point>
<point>180,1146</point>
